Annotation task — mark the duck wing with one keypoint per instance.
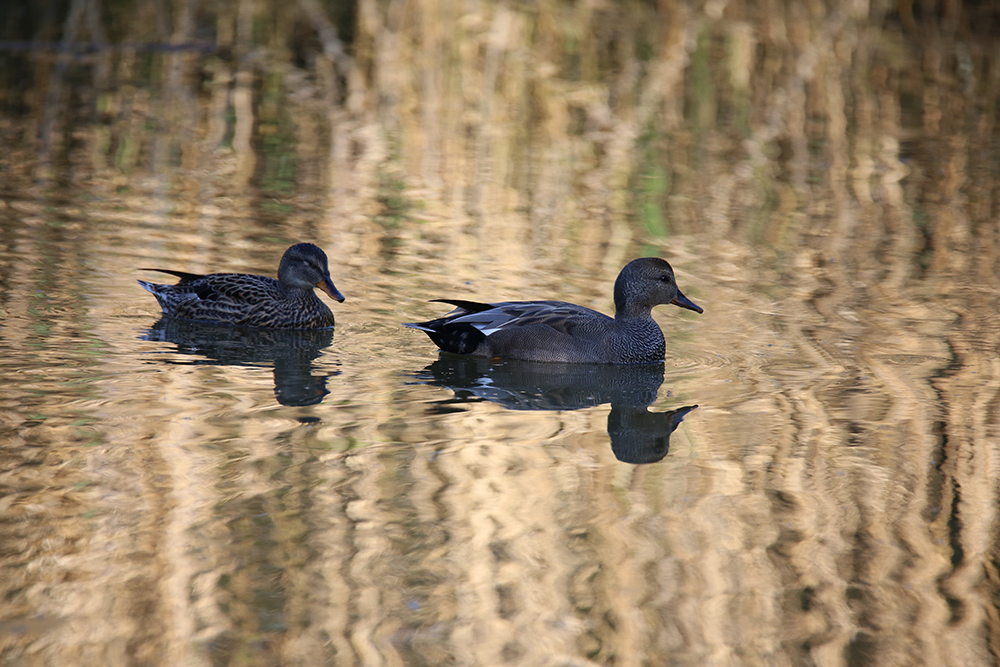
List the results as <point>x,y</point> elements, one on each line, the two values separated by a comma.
<point>240,288</point>
<point>565,318</point>
<point>234,288</point>
<point>185,277</point>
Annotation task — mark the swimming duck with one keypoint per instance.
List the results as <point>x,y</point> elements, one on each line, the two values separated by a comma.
<point>254,301</point>
<point>559,331</point>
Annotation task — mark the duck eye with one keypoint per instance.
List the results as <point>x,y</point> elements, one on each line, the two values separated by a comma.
<point>665,278</point>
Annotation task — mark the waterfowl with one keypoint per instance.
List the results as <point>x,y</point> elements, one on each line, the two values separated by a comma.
<point>255,301</point>
<point>566,332</point>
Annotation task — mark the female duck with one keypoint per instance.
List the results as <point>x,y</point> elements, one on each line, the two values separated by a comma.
<point>254,301</point>
<point>559,331</point>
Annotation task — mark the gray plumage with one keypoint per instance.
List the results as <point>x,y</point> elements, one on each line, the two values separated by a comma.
<point>255,301</point>
<point>560,331</point>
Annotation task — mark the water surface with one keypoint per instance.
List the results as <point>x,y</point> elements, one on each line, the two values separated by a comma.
<point>821,182</point>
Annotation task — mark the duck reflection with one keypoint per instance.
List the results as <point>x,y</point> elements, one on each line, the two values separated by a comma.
<point>291,352</point>
<point>637,435</point>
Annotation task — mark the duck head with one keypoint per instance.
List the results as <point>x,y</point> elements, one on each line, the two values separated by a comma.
<point>647,282</point>
<point>303,267</point>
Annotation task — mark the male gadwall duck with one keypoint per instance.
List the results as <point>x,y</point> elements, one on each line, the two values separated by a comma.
<point>559,331</point>
<point>254,301</point>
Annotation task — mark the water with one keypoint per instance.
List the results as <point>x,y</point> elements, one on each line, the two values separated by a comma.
<point>181,494</point>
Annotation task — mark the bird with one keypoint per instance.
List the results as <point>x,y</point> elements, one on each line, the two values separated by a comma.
<point>254,301</point>
<point>565,332</point>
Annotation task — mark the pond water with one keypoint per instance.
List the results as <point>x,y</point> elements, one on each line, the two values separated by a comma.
<point>810,477</point>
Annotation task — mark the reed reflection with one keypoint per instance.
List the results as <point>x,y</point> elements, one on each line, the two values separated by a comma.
<point>289,352</point>
<point>637,435</point>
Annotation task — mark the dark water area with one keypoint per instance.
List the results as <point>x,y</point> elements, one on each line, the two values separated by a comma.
<point>810,477</point>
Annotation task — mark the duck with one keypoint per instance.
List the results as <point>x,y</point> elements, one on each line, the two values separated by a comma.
<point>254,301</point>
<point>565,332</point>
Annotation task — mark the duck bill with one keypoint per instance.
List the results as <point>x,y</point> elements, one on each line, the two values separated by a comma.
<point>327,286</point>
<point>684,302</point>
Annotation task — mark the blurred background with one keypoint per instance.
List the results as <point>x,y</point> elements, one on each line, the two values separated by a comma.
<point>821,176</point>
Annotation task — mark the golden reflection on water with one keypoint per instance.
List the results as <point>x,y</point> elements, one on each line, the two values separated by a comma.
<point>822,183</point>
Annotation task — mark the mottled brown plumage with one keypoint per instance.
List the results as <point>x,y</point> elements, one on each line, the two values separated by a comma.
<point>560,331</point>
<point>255,301</point>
